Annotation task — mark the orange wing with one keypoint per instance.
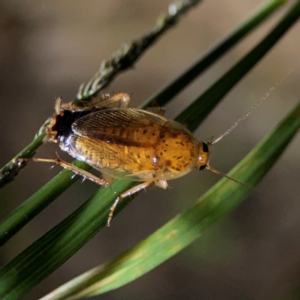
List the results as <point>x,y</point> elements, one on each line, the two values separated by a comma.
<point>120,142</point>
<point>126,126</point>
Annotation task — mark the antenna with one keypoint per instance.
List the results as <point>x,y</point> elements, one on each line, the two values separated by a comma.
<point>260,101</point>
<point>208,167</point>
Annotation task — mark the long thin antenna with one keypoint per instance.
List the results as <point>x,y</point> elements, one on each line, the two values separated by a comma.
<point>260,101</point>
<point>208,167</point>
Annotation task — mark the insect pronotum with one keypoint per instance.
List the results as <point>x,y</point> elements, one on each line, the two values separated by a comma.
<point>128,143</point>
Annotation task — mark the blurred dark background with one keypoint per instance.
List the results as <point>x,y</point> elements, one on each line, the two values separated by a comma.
<point>49,48</point>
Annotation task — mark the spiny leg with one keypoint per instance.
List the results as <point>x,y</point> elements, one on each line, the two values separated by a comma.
<point>122,99</point>
<point>127,193</point>
<point>68,166</point>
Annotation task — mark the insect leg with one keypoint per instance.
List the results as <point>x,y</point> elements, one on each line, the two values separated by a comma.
<point>68,166</point>
<point>129,192</point>
<point>122,100</point>
<point>60,106</point>
<point>162,184</point>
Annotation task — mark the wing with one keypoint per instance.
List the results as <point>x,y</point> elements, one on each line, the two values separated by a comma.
<point>110,158</point>
<point>127,126</point>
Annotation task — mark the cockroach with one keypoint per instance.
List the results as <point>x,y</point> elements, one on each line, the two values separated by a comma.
<point>128,143</point>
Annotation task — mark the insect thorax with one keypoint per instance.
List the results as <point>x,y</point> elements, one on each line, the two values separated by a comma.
<point>60,125</point>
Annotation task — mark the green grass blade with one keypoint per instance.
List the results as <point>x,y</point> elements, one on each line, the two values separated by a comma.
<point>128,54</point>
<point>37,202</point>
<point>11,169</point>
<point>208,100</point>
<point>189,225</point>
<point>261,14</point>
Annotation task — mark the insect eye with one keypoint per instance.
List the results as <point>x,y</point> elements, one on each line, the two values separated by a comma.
<point>202,168</point>
<point>204,147</point>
